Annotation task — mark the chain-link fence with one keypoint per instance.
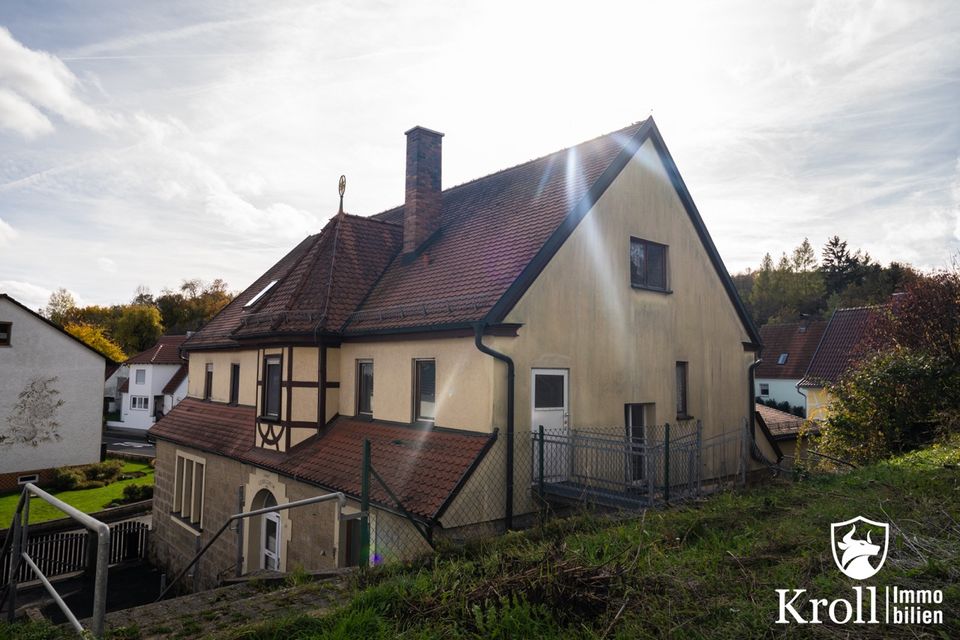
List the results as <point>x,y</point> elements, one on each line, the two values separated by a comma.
<point>557,470</point>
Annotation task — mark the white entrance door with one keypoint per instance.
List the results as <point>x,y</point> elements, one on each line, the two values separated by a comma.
<point>551,408</point>
<point>270,537</point>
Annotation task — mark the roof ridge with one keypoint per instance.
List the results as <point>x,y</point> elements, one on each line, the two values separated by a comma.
<point>371,218</point>
<point>522,164</point>
<point>863,307</point>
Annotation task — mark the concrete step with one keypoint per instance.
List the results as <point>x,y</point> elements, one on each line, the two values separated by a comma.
<point>204,614</point>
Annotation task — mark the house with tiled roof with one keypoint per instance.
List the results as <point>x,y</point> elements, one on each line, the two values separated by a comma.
<point>840,348</point>
<point>153,382</point>
<point>577,291</point>
<point>51,397</point>
<point>787,351</point>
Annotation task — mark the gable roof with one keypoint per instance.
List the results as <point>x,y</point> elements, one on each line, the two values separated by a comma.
<point>107,361</point>
<point>179,376</point>
<point>798,340</point>
<point>840,346</point>
<point>497,233</point>
<point>165,351</point>
<point>424,467</point>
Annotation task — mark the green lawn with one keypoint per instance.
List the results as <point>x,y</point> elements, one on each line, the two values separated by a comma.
<point>87,500</point>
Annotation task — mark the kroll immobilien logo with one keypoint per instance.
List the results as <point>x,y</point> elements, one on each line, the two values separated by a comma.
<point>859,549</point>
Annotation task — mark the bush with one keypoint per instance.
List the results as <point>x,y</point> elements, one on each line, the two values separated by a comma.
<point>67,478</point>
<point>891,403</point>
<point>87,476</point>
<point>137,492</point>
<point>106,471</point>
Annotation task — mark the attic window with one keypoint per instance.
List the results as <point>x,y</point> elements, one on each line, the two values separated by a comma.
<point>782,359</point>
<point>257,297</point>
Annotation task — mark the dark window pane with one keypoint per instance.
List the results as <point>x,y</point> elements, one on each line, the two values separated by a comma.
<point>681,388</point>
<point>426,389</point>
<point>365,387</point>
<point>637,268</point>
<point>5,333</point>
<point>234,383</point>
<point>548,391</point>
<point>272,389</point>
<point>656,266</point>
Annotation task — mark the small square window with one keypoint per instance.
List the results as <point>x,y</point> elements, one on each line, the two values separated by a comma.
<point>648,264</point>
<point>5,329</point>
<point>141,376</point>
<point>764,389</point>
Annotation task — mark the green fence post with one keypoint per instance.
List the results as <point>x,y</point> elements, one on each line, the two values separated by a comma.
<point>666,462</point>
<point>540,462</point>
<point>365,507</point>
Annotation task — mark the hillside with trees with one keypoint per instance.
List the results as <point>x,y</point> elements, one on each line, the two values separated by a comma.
<point>799,286</point>
<point>121,330</point>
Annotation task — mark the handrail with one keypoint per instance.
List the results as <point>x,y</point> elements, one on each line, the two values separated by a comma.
<point>18,534</point>
<point>340,497</point>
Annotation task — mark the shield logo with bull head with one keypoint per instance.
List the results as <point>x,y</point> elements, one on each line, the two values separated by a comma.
<point>858,555</point>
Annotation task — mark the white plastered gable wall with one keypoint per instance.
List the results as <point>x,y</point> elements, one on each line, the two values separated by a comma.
<point>39,351</point>
<point>621,344</point>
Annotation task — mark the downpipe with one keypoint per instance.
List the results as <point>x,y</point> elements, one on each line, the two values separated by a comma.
<point>511,379</point>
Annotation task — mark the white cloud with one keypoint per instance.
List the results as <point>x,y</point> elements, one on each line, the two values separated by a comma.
<point>32,82</point>
<point>27,294</point>
<point>7,233</point>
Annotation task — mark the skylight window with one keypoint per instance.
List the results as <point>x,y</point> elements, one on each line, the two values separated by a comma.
<point>257,297</point>
<point>782,359</point>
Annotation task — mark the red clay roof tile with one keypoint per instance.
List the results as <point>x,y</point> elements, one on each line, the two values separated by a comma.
<point>165,351</point>
<point>798,340</point>
<point>422,466</point>
<point>841,345</point>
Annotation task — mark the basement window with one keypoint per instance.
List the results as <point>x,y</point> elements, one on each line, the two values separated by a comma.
<point>30,478</point>
<point>262,293</point>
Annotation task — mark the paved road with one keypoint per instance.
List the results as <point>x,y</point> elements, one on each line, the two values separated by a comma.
<point>129,444</point>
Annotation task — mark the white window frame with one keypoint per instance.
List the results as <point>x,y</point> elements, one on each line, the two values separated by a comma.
<point>138,374</point>
<point>140,403</point>
<point>764,389</point>
<point>189,482</point>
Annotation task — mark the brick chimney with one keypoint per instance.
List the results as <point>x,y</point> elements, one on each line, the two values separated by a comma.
<point>421,209</point>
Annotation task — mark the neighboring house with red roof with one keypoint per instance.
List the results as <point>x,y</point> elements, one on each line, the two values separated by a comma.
<point>786,430</point>
<point>787,351</point>
<point>577,291</point>
<point>840,348</point>
<point>151,384</point>
<point>51,398</point>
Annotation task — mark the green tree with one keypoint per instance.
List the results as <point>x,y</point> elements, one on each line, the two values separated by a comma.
<point>95,337</point>
<point>60,307</point>
<point>138,327</point>
<point>193,305</point>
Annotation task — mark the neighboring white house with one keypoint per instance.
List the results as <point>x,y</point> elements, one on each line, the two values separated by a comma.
<point>51,397</point>
<point>787,351</point>
<point>156,382</point>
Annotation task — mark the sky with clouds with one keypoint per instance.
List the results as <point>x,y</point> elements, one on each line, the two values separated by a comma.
<point>145,143</point>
